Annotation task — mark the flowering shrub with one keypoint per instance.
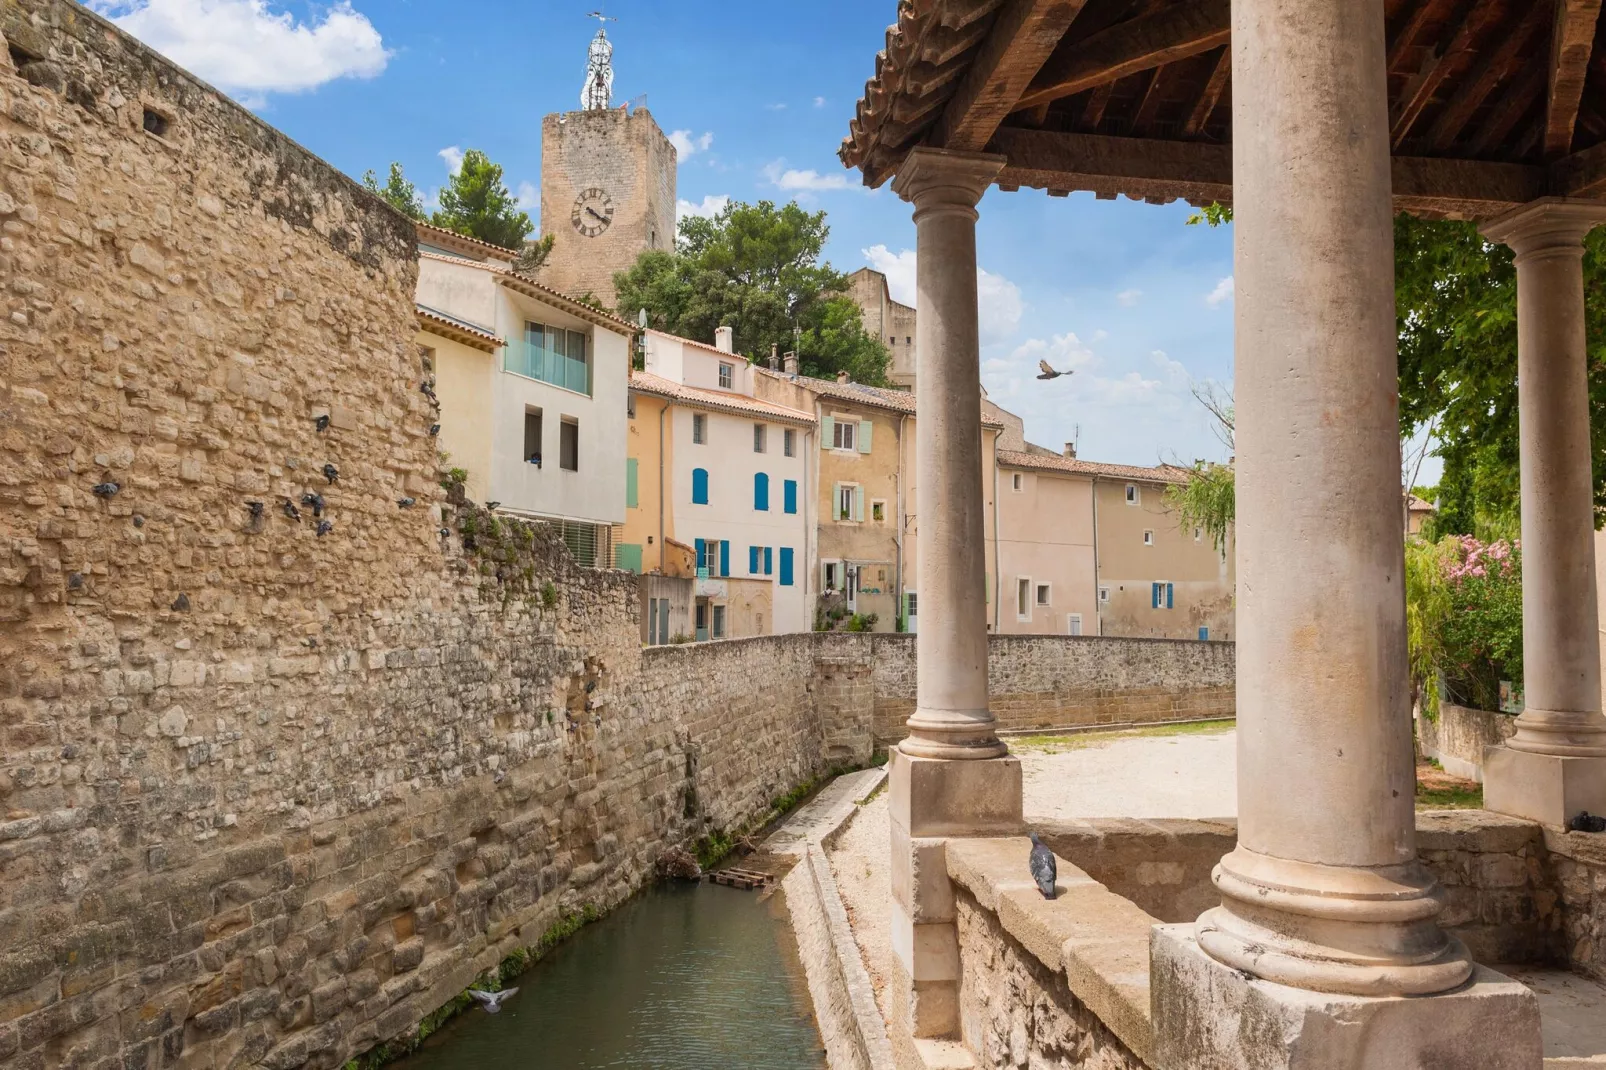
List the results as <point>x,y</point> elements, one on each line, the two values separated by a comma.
<point>1464,619</point>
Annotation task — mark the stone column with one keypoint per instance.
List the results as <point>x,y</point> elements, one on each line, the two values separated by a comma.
<point>1324,896</point>
<point>952,776</point>
<point>1555,765</point>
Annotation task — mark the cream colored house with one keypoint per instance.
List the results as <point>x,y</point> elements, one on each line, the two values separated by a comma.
<point>1047,555</point>
<point>540,425</point>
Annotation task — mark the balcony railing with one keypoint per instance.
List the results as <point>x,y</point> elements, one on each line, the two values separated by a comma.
<point>538,360</point>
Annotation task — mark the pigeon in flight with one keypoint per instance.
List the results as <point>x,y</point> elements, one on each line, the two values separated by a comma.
<point>492,1001</point>
<point>1049,372</point>
<point>1043,867</point>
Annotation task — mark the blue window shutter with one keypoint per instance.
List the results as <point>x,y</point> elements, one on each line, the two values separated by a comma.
<point>699,486</point>
<point>752,561</point>
<point>769,561</point>
<point>724,557</point>
<point>1154,596</point>
<point>1204,634</point>
<point>1169,590</point>
<point>761,492</point>
<point>786,566</point>
<point>790,490</point>
<point>702,554</point>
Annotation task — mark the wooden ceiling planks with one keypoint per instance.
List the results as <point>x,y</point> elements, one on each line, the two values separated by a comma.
<point>1573,43</point>
<point>1492,70</point>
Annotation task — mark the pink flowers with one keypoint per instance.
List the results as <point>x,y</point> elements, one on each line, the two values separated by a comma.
<point>1478,559</point>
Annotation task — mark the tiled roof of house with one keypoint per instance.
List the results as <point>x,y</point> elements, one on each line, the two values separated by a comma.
<point>541,292</point>
<point>1165,473</point>
<point>717,400</point>
<point>435,321</point>
<point>879,396</point>
<point>1417,505</point>
<point>428,232</point>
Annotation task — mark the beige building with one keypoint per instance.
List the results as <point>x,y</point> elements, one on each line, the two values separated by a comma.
<point>889,320</point>
<point>1046,546</point>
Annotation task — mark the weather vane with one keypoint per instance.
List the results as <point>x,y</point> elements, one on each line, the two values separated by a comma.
<point>598,92</point>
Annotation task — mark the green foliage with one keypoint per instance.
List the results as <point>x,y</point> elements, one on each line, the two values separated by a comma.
<point>1451,798</point>
<point>456,477</point>
<point>861,622</point>
<point>549,594</point>
<point>401,194</point>
<point>534,255</point>
<point>1207,500</point>
<point>477,203</point>
<point>757,269</point>
<point>713,848</point>
<point>1463,617</point>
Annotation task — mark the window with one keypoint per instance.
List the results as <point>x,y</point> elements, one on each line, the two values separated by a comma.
<point>753,559</point>
<point>911,604</point>
<point>908,340</point>
<point>1017,481</point>
<point>699,428</point>
<point>1161,596</point>
<point>1132,495</point>
<point>1043,592</point>
<point>831,573</point>
<point>719,622</point>
<point>761,492</point>
<point>532,436</point>
<point>789,495</point>
<point>849,502</point>
<point>552,355</point>
<point>789,442</point>
<point>758,438</point>
<point>699,486</point>
<point>1148,538</point>
<point>1023,596</point>
<point>1073,624</point>
<point>1104,595</point>
<point>569,445</point>
<point>843,434</point>
<point>878,511</point>
<point>1204,634</point>
<point>786,566</point>
<point>727,375</point>
<point>713,557</point>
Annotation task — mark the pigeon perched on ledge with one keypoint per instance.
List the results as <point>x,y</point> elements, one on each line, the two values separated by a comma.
<point>1587,822</point>
<point>1043,867</point>
<point>492,1001</point>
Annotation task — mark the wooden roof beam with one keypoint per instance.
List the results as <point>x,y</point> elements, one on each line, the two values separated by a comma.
<point>1206,105</point>
<point>1482,80</point>
<point>1571,46</point>
<point>1129,47</point>
<point>1024,35</point>
<point>1519,97</point>
<point>1420,89</point>
<point>1202,172</point>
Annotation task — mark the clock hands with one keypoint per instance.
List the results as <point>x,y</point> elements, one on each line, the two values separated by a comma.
<point>596,214</point>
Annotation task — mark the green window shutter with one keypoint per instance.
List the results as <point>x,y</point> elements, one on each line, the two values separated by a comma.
<point>628,556</point>
<point>865,427</point>
<point>631,499</point>
<point>836,501</point>
<point>827,432</point>
<point>858,503</point>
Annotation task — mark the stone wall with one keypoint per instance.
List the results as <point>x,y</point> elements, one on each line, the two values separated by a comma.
<point>1053,682</point>
<point>1456,738</point>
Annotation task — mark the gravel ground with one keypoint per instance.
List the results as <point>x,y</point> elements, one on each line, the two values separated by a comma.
<point>1185,775</point>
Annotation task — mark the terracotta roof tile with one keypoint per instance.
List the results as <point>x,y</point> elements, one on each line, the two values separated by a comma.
<point>718,400</point>
<point>540,291</point>
<point>880,396</point>
<point>449,326</point>
<point>1165,473</point>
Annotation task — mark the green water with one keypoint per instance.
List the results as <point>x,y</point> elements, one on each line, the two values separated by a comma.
<point>683,977</point>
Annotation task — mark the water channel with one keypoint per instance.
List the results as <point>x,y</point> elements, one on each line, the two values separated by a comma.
<point>682,977</point>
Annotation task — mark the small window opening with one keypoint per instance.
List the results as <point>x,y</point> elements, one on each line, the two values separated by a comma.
<point>727,375</point>
<point>1148,538</point>
<point>1016,481</point>
<point>1023,607</point>
<point>1042,594</point>
<point>1131,494</point>
<point>878,512</point>
<point>532,437</point>
<point>758,438</point>
<point>569,446</point>
<point>155,123</point>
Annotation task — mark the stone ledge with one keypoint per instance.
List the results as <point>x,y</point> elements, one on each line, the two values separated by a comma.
<point>1096,939</point>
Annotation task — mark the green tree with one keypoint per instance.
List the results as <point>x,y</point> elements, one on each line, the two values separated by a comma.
<point>477,203</point>
<point>400,193</point>
<point>757,269</point>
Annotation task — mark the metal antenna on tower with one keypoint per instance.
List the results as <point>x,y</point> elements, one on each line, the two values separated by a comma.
<point>598,92</point>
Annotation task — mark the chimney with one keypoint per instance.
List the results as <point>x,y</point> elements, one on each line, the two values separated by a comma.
<point>842,377</point>
<point>775,356</point>
<point>725,340</point>
<point>789,363</point>
<point>1070,450</point>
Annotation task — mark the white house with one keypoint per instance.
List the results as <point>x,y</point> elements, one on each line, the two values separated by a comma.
<point>540,424</point>
<point>739,471</point>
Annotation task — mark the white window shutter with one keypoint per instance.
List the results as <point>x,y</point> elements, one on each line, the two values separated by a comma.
<point>864,436</point>
<point>827,433</point>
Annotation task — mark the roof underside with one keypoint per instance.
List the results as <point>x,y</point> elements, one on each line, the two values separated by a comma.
<point>1492,103</point>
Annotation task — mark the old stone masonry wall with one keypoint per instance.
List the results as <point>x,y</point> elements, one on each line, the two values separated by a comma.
<point>269,795</point>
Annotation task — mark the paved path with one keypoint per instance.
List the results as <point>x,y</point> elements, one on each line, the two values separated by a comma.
<point>1137,776</point>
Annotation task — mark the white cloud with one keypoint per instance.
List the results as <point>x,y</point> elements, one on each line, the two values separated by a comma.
<point>1128,298</point>
<point>687,145</point>
<point>1221,294</point>
<point>247,48</point>
<point>529,196</point>
<point>999,300</point>
<point>793,180</point>
<point>819,102</point>
<point>453,157</point>
<point>711,206</point>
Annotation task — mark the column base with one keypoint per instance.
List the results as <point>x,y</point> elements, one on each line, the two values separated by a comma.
<point>933,797</point>
<point>1546,788</point>
<point>1208,1016</point>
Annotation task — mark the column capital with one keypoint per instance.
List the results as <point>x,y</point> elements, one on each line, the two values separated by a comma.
<point>1548,224</point>
<point>944,179</point>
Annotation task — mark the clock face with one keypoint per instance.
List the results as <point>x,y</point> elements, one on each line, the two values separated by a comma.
<point>593,212</point>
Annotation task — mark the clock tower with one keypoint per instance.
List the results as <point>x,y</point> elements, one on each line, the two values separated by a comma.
<point>607,187</point>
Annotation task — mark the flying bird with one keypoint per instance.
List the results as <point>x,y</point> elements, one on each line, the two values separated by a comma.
<point>1043,867</point>
<point>492,1001</point>
<point>290,510</point>
<point>322,422</point>
<point>106,490</point>
<point>406,503</point>
<point>1049,372</point>
<point>331,473</point>
<point>314,500</point>
<point>325,527</point>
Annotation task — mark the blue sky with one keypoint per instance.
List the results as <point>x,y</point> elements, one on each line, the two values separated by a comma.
<point>1139,304</point>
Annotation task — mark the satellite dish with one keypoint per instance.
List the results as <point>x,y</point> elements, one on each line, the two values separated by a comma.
<point>641,319</point>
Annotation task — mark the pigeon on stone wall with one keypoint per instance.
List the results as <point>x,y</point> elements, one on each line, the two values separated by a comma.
<point>314,500</point>
<point>406,503</point>
<point>322,422</point>
<point>331,473</point>
<point>1043,867</point>
<point>291,511</point>
<point>106,490</point>
<point>325,527</point>
<point>1587,822</point>
<point>434,430</point>
<point>492,1001</point>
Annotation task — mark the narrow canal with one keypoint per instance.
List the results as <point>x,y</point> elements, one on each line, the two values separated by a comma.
<point>683,977</point>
